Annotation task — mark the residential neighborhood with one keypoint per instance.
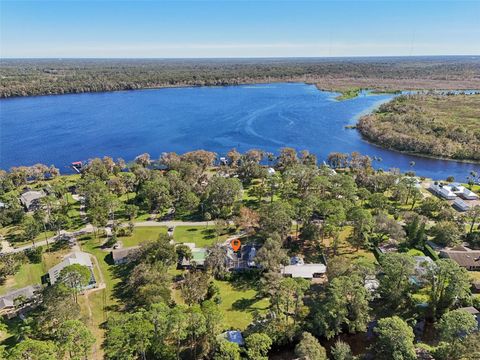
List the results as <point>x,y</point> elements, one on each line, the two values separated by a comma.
<point>101,249</point>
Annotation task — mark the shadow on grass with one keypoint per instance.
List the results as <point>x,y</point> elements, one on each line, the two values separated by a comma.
<point>245,280</point>
<point>244,304</point>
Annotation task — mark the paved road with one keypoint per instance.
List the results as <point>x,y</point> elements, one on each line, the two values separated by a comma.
<point>6,249</point>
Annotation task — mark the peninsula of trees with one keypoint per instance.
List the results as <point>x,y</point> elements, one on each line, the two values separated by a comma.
<point>26,77</point>
<point>444,126</point>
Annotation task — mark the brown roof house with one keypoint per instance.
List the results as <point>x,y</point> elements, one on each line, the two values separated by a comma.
<point>463,256</point>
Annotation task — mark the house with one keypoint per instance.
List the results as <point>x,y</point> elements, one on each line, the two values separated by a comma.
<point>474,312</point>
<point>31,199</point>
<point>461,191</point>
<point>243,259</point>
<point>443,191</point>
<point>476,287</point>
<point>422,263</point>
<point>10,301</point>
<point>234,336</point>
<point>199,256</point>
<point>305,271</point>
<point>463,256</point>
<point>122,256</point>
<point>77,257</point>
<point>461,205</point>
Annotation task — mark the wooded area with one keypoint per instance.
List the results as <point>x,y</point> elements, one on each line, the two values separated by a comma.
<point>26,77</point>
<point>445,126</point>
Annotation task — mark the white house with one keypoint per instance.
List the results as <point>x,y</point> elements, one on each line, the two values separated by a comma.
<point>461,205</point>
<point>305,271</point>
<point>463,192</point>
<point>76,257</point>
<point>443,191</point>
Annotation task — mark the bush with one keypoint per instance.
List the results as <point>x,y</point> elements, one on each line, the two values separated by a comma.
<point>34,254</point>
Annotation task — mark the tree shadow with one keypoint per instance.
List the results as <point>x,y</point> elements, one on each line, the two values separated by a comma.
<point>245,279</point>
<point>244,304</point>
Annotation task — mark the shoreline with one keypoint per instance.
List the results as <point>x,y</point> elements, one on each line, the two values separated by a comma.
<point>383,88</point>
<point>364,138</point>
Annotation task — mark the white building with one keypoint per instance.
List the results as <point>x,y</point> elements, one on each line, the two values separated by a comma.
<point>461,205</point>
<point>76,257</point>
<point>305,271</point>
<point>463,192</point>
<point>443,191</point>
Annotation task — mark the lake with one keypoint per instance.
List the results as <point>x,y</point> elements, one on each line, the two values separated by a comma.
<point>64,128</point>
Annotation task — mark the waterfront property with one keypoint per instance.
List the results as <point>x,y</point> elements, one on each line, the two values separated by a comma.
<point>452,191</point>
<point>461,205</point>
<point>463,192</point>
<point>31,199</point>
<point>443,191</point>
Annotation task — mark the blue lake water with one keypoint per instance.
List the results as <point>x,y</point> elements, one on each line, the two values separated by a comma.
<point>65,128</point>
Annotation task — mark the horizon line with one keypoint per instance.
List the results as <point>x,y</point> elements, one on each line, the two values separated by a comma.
<point>234,57</point>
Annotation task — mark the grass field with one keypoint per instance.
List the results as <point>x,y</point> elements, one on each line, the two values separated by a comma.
<point>238,305</point>
<point>141,234</point>
<point>475,275</point>
<point>30,274</point>
<point>202,236</point>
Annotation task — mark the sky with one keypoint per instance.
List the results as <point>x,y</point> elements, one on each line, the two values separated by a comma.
<point>202,29</point>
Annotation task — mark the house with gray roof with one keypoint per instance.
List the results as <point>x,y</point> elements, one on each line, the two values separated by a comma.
<point>31,199</point>
<point>77,257</point>
<point>122,256</point>
<point>9,302</point>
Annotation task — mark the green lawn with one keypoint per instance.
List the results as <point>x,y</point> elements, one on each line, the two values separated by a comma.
<point>475,275</point>
<point>30,274</point>
<point>13,234</point>
<point>93,246</point>
<point>238,306</point>
<point>415,252</point>
<point>202,236</point>
<point>142,234</point>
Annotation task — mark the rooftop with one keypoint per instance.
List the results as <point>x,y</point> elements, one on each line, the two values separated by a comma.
<point>8,299</point>
<point>306,271</point>
<point>76,257</point>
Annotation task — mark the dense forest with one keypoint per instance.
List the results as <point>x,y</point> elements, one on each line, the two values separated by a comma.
<point>446,126</point>
<point>25,77</point>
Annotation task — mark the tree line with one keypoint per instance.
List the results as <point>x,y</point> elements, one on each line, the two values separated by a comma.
<point>26,77</point>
